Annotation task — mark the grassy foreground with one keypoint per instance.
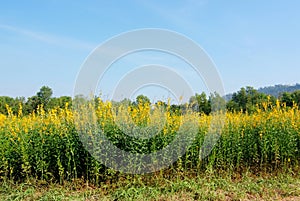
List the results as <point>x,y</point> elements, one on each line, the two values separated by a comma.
<point>207,186</point>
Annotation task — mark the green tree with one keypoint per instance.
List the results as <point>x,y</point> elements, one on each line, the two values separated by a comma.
<point>44,95</point>
<point>13,103</point>
<point>247,99</point>
<point>296,97</point>
<point>217,103</point>
<point>200,103</point>
<point>142,99</point>
<point>31,104</point>
<point>290,98</point>
<point>60,102</point>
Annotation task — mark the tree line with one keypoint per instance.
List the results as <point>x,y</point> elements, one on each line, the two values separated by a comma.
<point>42,97</point>
<point>246,99</point>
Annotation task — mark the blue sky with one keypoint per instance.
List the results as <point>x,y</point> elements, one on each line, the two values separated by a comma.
<point>252,43</point>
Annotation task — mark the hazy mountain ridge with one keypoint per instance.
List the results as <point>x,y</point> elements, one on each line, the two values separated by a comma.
<point>278,89</point>
<point>275,90</point>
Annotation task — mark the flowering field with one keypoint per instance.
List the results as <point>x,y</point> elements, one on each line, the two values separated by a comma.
<point>45,145</point>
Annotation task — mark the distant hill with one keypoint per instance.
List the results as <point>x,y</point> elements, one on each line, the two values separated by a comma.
<point>275,90</point>
<point>279,89</point>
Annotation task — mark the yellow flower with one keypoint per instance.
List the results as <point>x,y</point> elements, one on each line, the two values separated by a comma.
<point>2,119</point>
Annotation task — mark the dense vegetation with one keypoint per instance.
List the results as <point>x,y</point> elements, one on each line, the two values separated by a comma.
<point>256,157</point>
<point>261,134</point>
